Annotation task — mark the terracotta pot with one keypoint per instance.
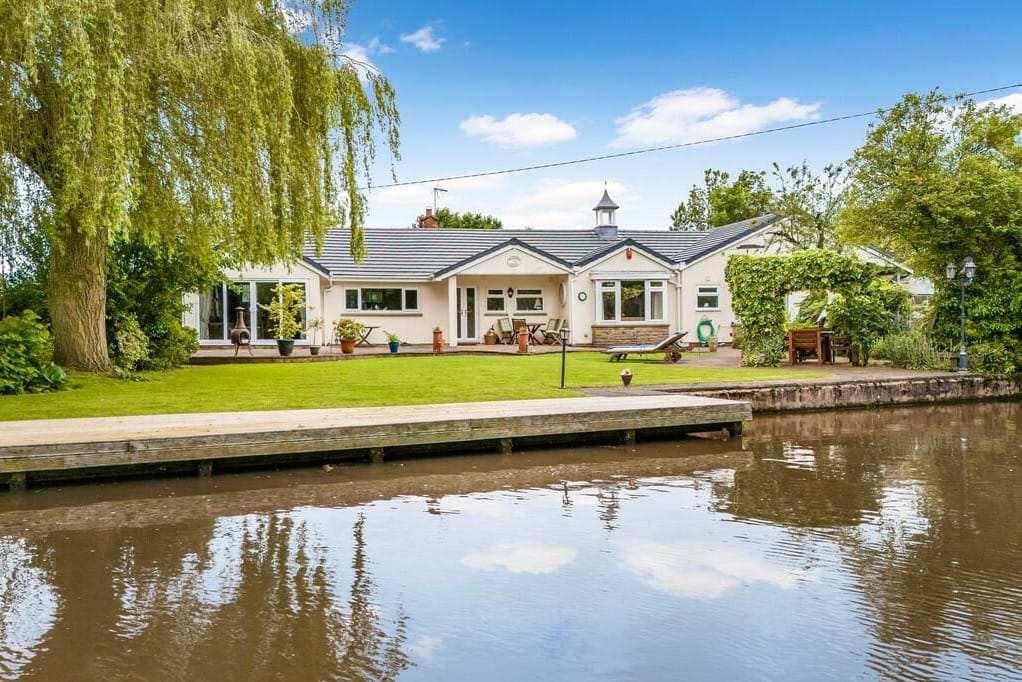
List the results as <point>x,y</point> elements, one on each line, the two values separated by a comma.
<point>523,340</point>
<point>438,341</point>
<point>348,345</point>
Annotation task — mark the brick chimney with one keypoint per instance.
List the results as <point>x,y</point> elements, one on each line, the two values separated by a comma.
<point>429,220</point>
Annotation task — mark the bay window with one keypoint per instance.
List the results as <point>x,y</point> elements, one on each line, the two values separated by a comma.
<point>635,300</point>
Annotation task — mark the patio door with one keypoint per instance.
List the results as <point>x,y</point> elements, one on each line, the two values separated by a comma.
<point>467,330</point>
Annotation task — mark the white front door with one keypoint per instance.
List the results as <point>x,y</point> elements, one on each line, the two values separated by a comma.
<point>467,330</point>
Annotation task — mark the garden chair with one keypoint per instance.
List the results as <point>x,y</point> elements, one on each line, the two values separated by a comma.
<point>551,331</point>
<point>508,333</point>
<point>520,326</point>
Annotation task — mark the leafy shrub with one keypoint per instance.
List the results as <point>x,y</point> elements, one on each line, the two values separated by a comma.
<point>26,364</point>
<point>131,345</point>
<point>909,350</point>
<point>867,316</point>
<point>994,357</point>
<point>348,329</point>
<point>172,348</point>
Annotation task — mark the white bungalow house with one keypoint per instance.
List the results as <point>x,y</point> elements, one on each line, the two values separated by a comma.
<point>609,286</point>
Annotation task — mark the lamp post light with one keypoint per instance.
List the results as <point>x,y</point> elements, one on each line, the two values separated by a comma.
<point>964,277</point>
<point>564,332</point>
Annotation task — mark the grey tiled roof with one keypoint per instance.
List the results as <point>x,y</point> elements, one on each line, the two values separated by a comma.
<point>423,253</point>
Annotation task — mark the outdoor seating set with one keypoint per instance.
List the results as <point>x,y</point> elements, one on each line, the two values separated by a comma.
<point>509,329</point>
<point>815,342</point>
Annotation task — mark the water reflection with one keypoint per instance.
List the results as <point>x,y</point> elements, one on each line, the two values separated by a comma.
<point>867,545</point>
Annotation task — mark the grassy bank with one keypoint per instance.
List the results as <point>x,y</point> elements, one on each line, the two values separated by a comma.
<point>385,380</point>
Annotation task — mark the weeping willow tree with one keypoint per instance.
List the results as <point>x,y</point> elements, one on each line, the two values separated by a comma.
<point>229,125</point>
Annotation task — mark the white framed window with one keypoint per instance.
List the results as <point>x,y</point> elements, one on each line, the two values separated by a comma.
<point>495,301</point>
<point>372,299</point>
<point>632,300</point>
<point>529,301</point>
<point>708,297</point>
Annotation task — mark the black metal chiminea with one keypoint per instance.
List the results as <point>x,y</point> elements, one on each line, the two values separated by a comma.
<point>240,335</point>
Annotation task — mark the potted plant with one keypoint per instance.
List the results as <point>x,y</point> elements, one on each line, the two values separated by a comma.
<point>286,311</point>
<point>315,324</point>
<point>347,330</point>
<point>394,341</point>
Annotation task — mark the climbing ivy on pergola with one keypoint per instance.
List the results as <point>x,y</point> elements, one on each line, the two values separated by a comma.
<point>758,285</point>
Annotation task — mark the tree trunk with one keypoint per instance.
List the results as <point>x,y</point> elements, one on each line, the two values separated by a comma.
<point>76,295</point>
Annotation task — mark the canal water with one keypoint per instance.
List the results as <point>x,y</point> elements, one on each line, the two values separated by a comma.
<point>872,545</point>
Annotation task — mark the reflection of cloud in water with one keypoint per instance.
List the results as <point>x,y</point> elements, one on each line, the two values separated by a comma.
<point>425,647</point>
<point>701,570</point>
<point>521,557</point>
<point>28,606</point>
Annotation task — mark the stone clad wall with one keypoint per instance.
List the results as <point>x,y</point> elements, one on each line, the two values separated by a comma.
<point>625,335</point>
<point>871,393</point>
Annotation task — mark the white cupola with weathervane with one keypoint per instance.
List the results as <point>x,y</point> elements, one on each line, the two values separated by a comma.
<point>606,218</point>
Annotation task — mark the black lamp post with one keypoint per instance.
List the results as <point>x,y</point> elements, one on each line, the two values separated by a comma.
<point>564,332</point>
<point>964,277</point>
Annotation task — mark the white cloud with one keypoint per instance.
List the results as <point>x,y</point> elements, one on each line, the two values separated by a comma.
<point>702,570</point>
<point>696,114</point>
<point>423,39</point>
<point>519,130</point>
<point>521,557</point>
<point>580,196</point>
<point>358,56</point>
<point>1013,101</point>
<point>562,205</point>
<point>377,47</point>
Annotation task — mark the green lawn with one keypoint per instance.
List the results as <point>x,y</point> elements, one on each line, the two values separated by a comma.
<point>380,380</point>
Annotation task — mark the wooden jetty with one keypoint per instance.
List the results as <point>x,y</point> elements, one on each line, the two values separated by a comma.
<point>111,446</point>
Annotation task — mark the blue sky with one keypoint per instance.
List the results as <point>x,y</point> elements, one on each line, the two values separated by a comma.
<point>487,86</point>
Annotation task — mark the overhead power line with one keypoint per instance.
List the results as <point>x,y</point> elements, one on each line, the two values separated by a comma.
<point>680,145</point>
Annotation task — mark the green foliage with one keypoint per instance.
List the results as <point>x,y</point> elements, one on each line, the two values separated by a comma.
<point>939,179</point>
<point>131,346</point>
<point>909,350</point>
<point>147,282</point>
<point>995,357</point>
<point>315,324</point>
<point>809,205</point>
<point>172,348</point>
<point>197,126</point>
<point>393,338</point>
<point>722,202</point>
<point>347,329</point>
<point>287,310</point>
<point>867,314</point>
<point>25,365</point>
<point>758,286</point>
<point>448,219</point>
